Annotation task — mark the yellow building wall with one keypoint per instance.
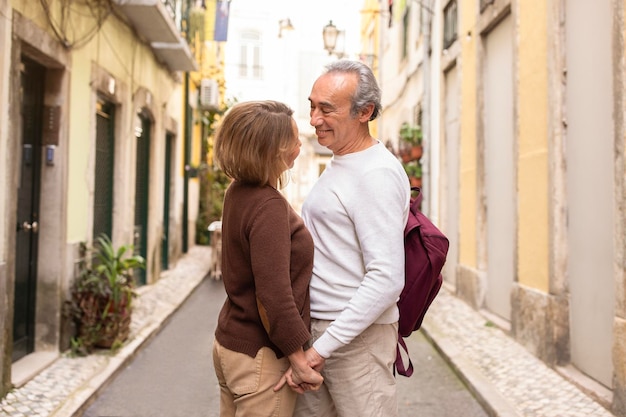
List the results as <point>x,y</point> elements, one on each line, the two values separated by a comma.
<point>79,150</point>
<point>532,93</point>
<point>115,49</point>
<point>468,162</point>
<point>130,62</point>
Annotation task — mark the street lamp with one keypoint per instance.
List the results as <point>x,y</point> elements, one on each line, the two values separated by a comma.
<point>284,24</point>
<point>332,36</point>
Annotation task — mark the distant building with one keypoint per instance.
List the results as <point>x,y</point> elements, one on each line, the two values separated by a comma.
<point>276,51</point>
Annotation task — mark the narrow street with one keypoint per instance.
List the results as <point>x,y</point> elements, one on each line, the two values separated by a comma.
<point>173,375</point>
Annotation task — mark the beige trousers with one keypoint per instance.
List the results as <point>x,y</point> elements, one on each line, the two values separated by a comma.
<point>358,378</point>
<point>246,384</point>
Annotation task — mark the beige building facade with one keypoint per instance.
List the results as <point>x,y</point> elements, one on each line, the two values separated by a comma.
<point>522,108</point>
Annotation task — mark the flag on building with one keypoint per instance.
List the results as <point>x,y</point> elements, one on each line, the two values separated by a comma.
<point>221,21</point>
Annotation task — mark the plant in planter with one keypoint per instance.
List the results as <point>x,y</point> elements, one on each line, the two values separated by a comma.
<point>414,170</point>
<point>411,142</point>
<point>101,296</point>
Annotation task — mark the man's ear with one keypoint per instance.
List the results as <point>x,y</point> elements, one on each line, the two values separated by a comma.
<point>366,112</point>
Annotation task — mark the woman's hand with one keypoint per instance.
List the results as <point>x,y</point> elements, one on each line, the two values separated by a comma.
<point>302,376</point>
<point>311,382</point>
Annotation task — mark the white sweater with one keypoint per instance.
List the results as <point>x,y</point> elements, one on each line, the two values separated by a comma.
<point>356,213</point>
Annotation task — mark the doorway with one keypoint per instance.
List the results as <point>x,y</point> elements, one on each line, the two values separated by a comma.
<point>103,174</point>
<point>142,187</point>
<point>26,237</point>
<point>451,172</point>
<point>167,191</point>
<point>590,187</point>
<point>500,167</point>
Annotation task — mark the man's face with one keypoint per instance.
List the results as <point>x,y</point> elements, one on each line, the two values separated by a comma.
<point>330,110</point>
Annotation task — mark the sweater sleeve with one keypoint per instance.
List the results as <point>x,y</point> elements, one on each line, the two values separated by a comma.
<point>270,253</point>
<point>378,208</point>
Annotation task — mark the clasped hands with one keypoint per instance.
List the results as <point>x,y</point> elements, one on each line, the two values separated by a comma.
<point>304,372</point>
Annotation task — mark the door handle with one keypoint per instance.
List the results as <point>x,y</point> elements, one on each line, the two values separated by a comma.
<point>33,227</point>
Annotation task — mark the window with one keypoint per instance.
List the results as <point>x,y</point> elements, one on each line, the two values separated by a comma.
<point>250,56</point>
<point>450,24</point>
<point>405,32</point>
<point>417,114</point>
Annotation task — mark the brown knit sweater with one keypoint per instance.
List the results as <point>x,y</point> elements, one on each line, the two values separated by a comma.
<point>267,253</point>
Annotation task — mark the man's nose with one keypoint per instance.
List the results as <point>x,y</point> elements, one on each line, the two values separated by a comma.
<point>316,120</point>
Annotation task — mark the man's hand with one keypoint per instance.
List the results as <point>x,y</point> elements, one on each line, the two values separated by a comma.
<point>314,359</point>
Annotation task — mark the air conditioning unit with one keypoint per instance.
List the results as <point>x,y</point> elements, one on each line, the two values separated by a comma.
<point>209,94</point>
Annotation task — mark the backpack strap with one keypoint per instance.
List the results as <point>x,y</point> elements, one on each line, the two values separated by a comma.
<point>399,365</point>
<point>402,370</point>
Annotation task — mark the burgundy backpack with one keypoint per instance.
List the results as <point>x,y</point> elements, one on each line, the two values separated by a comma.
<point>426,248</point>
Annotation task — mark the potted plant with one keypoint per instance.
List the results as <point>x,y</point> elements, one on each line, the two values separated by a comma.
<point>411,138</point>
<point>414,171</point>
<point>101,296</point>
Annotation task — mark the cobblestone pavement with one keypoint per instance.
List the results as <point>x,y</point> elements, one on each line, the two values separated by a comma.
<point>507,379</point>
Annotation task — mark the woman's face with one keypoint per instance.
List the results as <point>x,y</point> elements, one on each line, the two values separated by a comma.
<point>293,152</point>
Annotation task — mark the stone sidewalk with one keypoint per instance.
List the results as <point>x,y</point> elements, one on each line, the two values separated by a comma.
<point>66,386</point>
<point>506,379</point>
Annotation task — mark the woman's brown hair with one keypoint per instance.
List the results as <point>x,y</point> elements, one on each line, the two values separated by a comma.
<point>251,140</point>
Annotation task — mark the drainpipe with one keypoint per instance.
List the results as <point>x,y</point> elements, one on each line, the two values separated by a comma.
<point>427,18</point>
<point>187,158</point>
<point>187,142</point>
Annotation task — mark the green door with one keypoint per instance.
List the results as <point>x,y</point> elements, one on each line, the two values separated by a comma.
<point>26,242</point>
<point>167,180</point>
<point>142,183</point>
<point>103,187</point>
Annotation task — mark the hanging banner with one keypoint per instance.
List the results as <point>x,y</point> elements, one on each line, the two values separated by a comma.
<point>221,21</point>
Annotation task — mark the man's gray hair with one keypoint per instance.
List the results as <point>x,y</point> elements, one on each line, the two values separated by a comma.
<point>367,90</point>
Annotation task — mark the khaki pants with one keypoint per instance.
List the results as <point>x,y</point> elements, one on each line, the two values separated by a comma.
<point>246,384</point>
<point>358,378</point>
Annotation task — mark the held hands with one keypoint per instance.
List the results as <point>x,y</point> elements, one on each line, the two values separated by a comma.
<point>303,375</point>
<point>299,381</point>
<point>314,359</point>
